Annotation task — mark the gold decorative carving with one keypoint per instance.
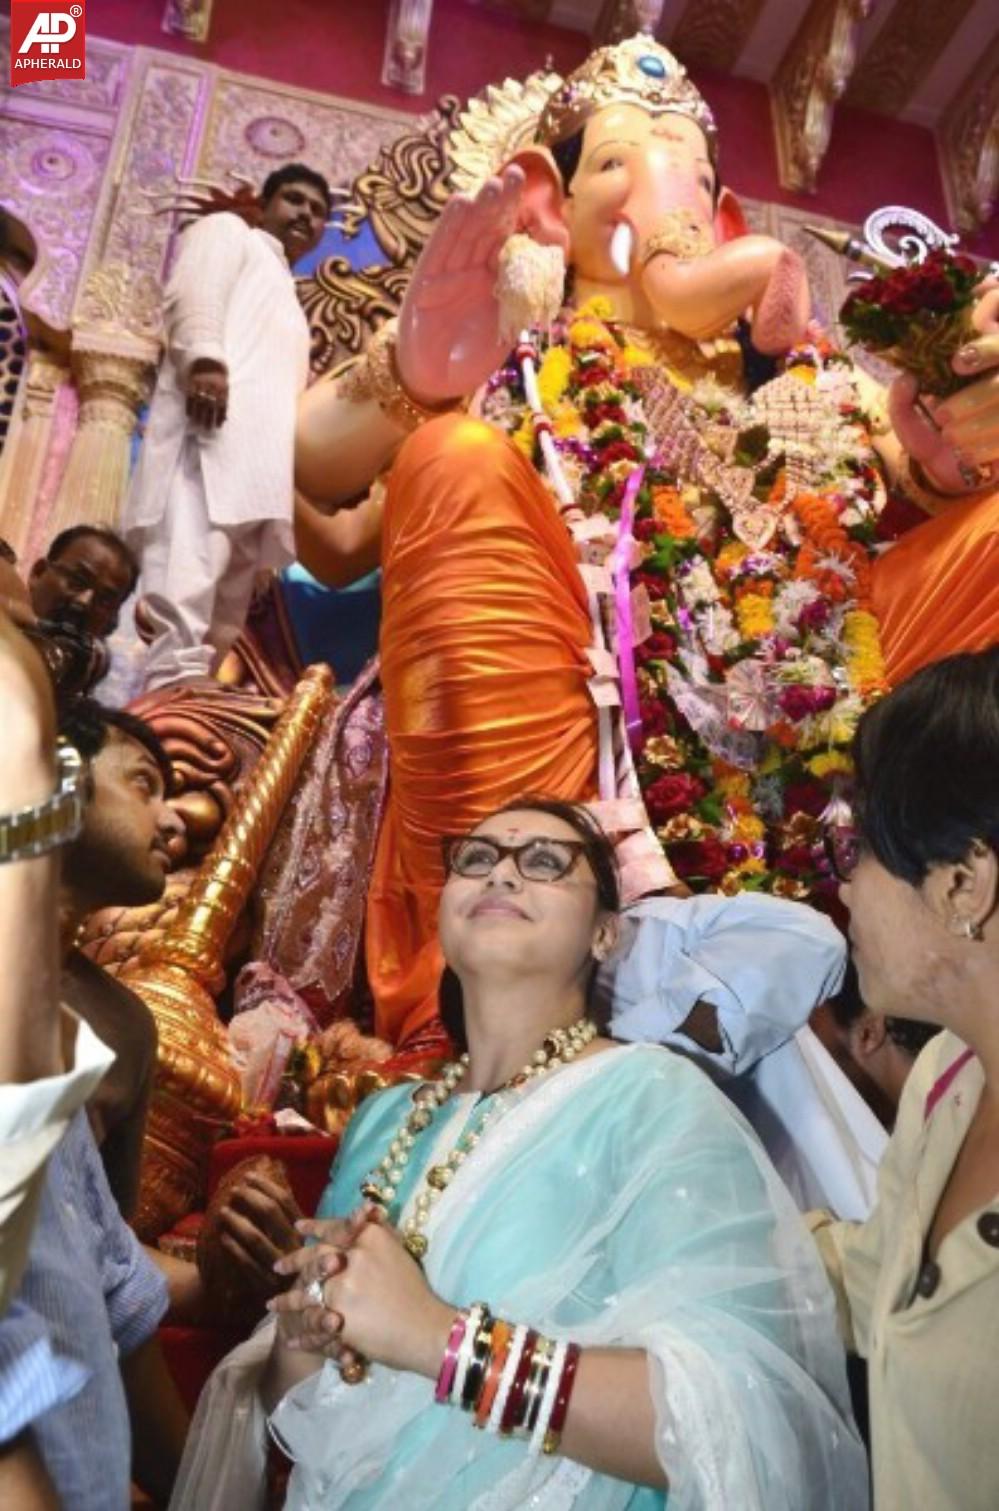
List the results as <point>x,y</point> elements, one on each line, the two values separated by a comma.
<point>197,1090</point>
<point>903,53</point>
<point>968,146</point>
<point>118,298</point>
<point>401,197</point>
<point>404,65</point>
<point>712,33</point>
<point>811,77</point>
<point>190,19</point>
<point>494,125</point>
<point>618,19</point>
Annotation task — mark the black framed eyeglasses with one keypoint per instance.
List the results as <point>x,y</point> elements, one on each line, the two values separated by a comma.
<point>844,845</point>
<point>539,859</point>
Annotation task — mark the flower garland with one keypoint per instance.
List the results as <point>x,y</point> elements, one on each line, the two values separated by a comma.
<point>759,662</point>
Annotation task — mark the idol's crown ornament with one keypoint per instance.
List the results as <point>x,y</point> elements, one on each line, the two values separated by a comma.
<point>634,72</point>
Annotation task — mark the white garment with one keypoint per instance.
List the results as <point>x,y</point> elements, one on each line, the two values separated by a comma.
<point>763,963</point>
<point>197,579</point>
<point>33,1118</point>
<point>231,299</point>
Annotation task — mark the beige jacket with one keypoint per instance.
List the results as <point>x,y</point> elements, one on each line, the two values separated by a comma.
<point>930,1333</point>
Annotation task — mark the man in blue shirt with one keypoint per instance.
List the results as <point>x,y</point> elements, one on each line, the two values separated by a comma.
<point>78,1353</point>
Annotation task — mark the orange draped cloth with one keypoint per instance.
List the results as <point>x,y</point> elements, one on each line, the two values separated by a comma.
<point>483,650</point>
<point>936,591</point>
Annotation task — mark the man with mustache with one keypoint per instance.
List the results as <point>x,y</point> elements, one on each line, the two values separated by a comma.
<point>211,501</point>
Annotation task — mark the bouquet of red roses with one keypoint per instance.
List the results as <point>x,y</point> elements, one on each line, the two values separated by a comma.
<point>916,317</point>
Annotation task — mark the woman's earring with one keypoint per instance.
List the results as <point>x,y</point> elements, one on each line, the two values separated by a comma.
<point>969,928</point>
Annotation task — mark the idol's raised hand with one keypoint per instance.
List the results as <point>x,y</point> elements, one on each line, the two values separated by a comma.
<point>449,335</point>
<point>956,440</point>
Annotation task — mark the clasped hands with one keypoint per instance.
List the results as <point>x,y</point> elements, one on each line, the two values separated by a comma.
<point>376,1302</point>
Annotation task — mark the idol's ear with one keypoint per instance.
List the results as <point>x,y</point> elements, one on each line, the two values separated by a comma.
<point>543,198</point>
<point>729,219</point>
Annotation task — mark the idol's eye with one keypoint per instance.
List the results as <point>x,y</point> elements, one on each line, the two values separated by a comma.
<point>610,163</point>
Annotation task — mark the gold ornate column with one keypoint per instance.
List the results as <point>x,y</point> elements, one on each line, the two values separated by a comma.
<point>197,1091</point>
<point>27,446</point>
<point>115,348</point>
<point>810,78</point>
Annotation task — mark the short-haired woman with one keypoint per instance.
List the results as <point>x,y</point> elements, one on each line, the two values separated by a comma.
<point>918,1282</point>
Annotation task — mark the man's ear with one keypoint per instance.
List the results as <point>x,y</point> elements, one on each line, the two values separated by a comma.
<point>542,199</point>
<point>729,219</point>
<point>867,1035</point>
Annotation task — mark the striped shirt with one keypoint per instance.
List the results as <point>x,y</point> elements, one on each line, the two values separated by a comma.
<point>89,1295</point>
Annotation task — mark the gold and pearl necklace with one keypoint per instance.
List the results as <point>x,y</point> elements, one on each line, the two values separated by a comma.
<point>560,1046</point>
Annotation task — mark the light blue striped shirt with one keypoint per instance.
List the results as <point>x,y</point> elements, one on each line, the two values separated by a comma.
<point>89,1295</point>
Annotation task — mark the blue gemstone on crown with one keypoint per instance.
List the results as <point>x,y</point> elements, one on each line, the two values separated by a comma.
<point>653,66</point>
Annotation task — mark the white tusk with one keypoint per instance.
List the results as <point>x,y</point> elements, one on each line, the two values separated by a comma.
<point>621,247</point>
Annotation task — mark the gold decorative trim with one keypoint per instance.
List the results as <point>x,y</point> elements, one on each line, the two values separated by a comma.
<point>811,77</point>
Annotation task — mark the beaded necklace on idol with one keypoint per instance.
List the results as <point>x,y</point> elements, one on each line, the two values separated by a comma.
<point>559,1047</point>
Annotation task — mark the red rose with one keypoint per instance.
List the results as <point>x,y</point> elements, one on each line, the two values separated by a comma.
<point>672,794</point>
<point>617,451</point>
<point>699,859</point>
<point>653,584</point>
<point>804,797</point>
<point>655,717</point>
<point>660,646</point>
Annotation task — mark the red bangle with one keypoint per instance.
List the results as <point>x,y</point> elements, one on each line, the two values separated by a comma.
<point>502,1334</point>
<point>562,1394</point>
<point>449,1363</point>
<point>514,1400</point>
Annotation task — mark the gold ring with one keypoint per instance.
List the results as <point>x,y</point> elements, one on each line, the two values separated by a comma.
<point>353,1374</point>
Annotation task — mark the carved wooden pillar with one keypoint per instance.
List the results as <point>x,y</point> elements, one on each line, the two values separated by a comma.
<point>28,447</point>
<point>811,77</point>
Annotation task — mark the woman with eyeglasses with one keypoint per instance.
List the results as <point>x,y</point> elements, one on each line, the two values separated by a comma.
<point>918,1282</point>
<point>564,1274</point>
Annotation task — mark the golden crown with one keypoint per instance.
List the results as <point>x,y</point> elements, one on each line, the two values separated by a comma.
<point>635,72</point>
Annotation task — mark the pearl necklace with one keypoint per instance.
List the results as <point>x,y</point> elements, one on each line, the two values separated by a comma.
<point>559,1047</point>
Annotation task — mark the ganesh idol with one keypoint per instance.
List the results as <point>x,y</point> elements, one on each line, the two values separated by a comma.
<point>630,531</point>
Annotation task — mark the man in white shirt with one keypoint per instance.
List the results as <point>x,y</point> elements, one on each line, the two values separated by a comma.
<point>212,498</point>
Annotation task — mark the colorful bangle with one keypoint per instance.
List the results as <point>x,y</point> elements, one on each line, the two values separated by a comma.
<point>513,1358</point>
<point>514,1405</point>
<point>449,1363</point>
<point>540,1369</point>
<point>476,1313</point>
<point>562,1394</point>
<point>476,1373</point>
<point>502,1333</point>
